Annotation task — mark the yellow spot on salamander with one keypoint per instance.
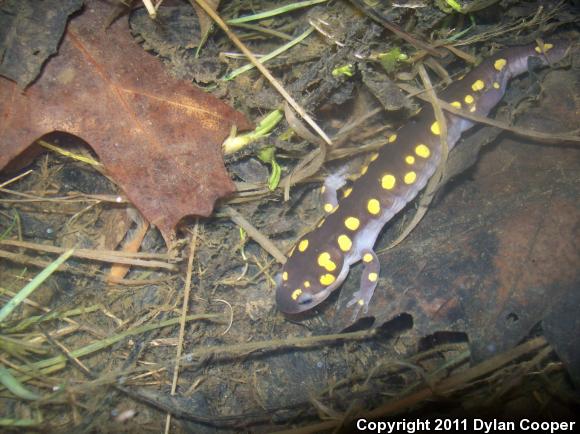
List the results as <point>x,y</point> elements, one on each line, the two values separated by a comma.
<point>435,128</point>
<point>469,99</point>
<point>392,138</point>
<point>544,49</point>
<point>325,262</point>
<point>422,151</point>
<point>456,104</point>
<point>347,192</point>
<point>373,277</point>
<point>361,302</point>
<point>352,223</point>
<point>373,206</point>
<point>499,64</point>
<point>295,294</point>
<point>285,275</point>
<point>328,207</point>
<point>367,258</point>
<point>410,177</point>
<point>478,85</point>
<point>364,170</point>
<point>327,279</point>
<point>306,284</point>
<point>388,182</point>
<point>409,159</point>
<point>303,245</point>
<point>344,242</point>
<point>374,156</point>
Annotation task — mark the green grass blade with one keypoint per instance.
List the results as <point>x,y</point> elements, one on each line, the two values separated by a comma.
<point>14,386</point>
<point>269,56</point>
<point>273,12</point>
<point>34,283</point>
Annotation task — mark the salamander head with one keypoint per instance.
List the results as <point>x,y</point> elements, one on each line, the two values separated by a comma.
<point>308,278</point>
<point>293,297</point>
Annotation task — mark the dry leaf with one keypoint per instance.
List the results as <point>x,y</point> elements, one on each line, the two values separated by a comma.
<point>159,138</point>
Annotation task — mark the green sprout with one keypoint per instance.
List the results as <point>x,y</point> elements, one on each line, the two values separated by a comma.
<point>390,58</point>
<point>449,5</point>
<point>268,156</point>
<point>454,5</point>
<point>347,70</point>
<point>235,143</point>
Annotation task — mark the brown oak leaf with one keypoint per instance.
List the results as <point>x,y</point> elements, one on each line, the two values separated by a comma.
<point>159,138</point>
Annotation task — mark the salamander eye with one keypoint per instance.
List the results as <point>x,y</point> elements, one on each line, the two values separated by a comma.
<point>305,298</point>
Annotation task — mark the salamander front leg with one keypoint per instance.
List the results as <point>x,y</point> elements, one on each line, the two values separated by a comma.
<point>368,283</point>
<point>332,184</point>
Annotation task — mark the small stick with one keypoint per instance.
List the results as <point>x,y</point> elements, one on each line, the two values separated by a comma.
<point>98,255</point>
<point>523,132</point>
<point>16,178</point>
<point>182,319</point>
<point>376,16</point>
<point>150,8</point>
<point>262,69</point>
<point>436,178</point>
<point>255,234</point>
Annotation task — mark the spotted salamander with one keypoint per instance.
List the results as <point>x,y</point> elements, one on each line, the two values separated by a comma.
<point>321,260</point>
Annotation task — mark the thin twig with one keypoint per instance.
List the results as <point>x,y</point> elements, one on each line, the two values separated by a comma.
<point>376,16</point>
<point>150,8</point>
<point>435,180</point>
<point>111,256</point>
<point>16,178</point>
<point>262,69</point>
<point>523,132</point>
<point>255,234</point>
<point>182,320</point>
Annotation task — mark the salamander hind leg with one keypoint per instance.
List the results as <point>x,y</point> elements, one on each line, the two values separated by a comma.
<point>368,283</point>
